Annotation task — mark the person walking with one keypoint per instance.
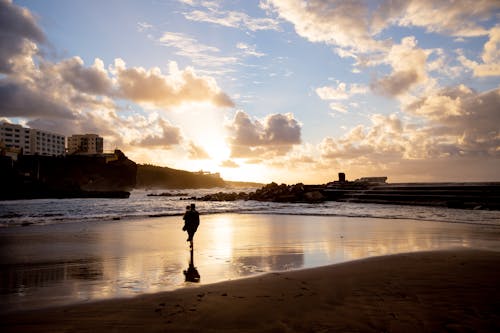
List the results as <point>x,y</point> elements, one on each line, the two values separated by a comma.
<point>191,222</point>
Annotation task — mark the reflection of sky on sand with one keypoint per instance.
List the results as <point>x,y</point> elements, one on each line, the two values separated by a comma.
<point>80,262</point>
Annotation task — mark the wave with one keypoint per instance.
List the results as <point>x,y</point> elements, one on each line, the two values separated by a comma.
<point>141,206</point>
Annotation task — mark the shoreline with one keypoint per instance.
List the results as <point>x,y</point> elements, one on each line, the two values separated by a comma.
<point>79,262</point>
<point>414,292</point>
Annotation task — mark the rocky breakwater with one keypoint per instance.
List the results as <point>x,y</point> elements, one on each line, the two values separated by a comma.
<point>272,192</point>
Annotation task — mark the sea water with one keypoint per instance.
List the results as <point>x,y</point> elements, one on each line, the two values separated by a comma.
<point>140,205</point>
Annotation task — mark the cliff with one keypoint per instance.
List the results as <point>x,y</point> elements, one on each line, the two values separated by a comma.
<point>108,175</point>
<point>150,176</point>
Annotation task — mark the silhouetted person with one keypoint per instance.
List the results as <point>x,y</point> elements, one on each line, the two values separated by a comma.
<point>191,222</point>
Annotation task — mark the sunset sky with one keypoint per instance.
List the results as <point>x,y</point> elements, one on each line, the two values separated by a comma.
<point>271,90</point>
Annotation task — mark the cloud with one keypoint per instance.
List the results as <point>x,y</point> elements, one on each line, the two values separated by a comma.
<point>396,84</point>
<point>143,26</point>
<point>274,135</point>
<point>165,135</point>
<point>456,18</point>
<point>188,45</point>
<point>342,91</point>
<point>355,29</point>
<point>356,25</point>
<point>19,35</point>
<point>338,107</point>
<point>490,56</point>
<point>92,80</point>
<point>342,23</point>
<point>229,164</point>
<point>454,123</point>
<point>408,64</point>
<point>197,153</point>
<point>18,100</point>
<point>249,50</point>
<point>152,87</point>
<point>464,121</point>
<point>200,54</point>
<point>382,141</point>
<point>210,12</point>
<point>70,97</point>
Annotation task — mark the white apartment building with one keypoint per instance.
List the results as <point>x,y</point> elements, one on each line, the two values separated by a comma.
<point>31,141</point>
<point>85,144</point>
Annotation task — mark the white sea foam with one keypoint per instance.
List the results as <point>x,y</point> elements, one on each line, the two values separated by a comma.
<point>140,205</point>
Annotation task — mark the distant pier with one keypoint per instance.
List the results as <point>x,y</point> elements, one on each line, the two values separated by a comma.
<point>453,195</point>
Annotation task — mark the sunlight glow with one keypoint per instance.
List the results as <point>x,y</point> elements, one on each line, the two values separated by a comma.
<point>222,234</point>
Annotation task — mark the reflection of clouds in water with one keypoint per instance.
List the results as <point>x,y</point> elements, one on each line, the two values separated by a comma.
<point>137,256</point>
<point>258,264</point>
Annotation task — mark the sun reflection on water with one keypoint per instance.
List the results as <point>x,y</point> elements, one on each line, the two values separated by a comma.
<point>69,264</point>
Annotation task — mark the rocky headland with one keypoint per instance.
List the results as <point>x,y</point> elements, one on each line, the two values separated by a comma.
<point>73,176</point>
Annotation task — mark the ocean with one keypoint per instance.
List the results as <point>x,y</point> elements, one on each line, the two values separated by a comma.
<point>57,211</point>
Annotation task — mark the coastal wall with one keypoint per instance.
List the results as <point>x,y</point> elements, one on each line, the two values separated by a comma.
<point>453,195</point>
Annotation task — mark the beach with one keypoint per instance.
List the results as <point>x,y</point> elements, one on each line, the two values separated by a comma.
<point>259,272</point>
<point>439,291</point>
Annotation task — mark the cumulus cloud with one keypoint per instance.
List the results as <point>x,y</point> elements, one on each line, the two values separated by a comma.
<point>197,153</point>
<point>355,29</point>
<point>92,80</point>
<point>465,121</point>
<point>151,86</point>
<point>18,100</point>
<point>490,65</point>
<point>68,96</point>
<point>342,23</point>
<point>456,18</point>
<point>164,135</point>
<point>18,37</point>
<point>274,135</point>
<point>382,141</point>
<point>356,25</point>
<point>408,63</point>
<point>456,122</point>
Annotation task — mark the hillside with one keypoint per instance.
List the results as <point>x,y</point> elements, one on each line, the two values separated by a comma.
<point>151,176</point>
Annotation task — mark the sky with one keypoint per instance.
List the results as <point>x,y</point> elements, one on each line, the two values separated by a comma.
<point>272,90</point>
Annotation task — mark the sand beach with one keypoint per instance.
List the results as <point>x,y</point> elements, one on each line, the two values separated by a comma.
<point>259,273</point>
<point>440,291</point>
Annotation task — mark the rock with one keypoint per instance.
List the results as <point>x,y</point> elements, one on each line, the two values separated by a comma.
<point>315,196</point>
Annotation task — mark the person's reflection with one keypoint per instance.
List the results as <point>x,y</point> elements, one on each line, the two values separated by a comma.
<point>191,274</point>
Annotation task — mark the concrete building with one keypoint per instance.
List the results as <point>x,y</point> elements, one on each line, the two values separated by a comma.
<point>31,141</point>
<point>85,144</point>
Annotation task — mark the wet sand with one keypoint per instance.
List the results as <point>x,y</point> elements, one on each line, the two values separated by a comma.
<point>438,291</point>
<point>127,275</point>
<point>72,263</point>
